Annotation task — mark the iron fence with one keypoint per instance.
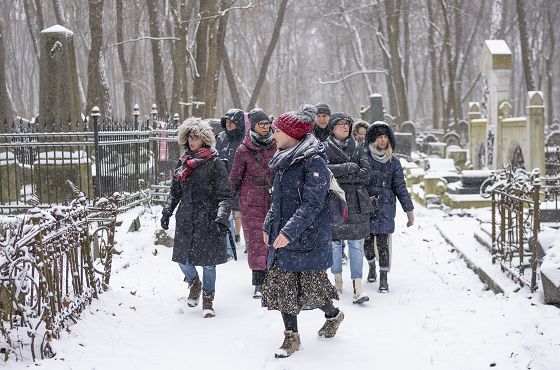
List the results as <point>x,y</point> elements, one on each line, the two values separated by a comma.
<point>101,158</point>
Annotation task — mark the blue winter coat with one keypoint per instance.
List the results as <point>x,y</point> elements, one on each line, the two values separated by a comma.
<point>387,182</point>
<point>299,209</point>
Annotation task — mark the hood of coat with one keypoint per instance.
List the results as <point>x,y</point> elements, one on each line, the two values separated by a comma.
<point>380,128</point>
<point>199,128</point>
<point>306,148</point>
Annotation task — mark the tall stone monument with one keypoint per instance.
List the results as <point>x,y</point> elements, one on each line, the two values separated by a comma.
<point>59,98</point>
<point>495,66</point>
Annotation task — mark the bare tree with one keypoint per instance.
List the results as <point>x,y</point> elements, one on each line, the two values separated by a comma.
<point>6,113</point>
<point>157,60</point>
<point>98,89</point>
<point>524,41</point>
<point>433,65</point>
<point>548,62</point>
<point>59,13</point>
<point>450,69</point>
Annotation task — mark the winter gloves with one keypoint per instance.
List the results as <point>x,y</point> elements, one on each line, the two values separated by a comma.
<point>222,229</point>
<point>165,221</point>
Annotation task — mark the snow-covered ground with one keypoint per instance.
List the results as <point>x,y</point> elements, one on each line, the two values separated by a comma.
<point>438,315</point>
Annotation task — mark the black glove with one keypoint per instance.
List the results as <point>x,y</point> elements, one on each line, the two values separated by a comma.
<point>222,229</point>
<point>165,222</point>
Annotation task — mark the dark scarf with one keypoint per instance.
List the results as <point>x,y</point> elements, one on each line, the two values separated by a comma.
<point>321,133</point>
<point>341,144</point>
<point>261,141</point>
<point>310,145</point>
<point>191,160</point>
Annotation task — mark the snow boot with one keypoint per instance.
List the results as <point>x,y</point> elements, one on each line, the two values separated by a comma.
<point>338,282</point>
<point>207,309</point>
<point>291,344</point>
<point>194,292</point>
<point>329,328</point>
<point>359,296</point>
<point>383,286</point>
<point>372,274</point>
<point>258,292</point>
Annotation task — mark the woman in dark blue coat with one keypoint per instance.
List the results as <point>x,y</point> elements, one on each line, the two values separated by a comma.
<point>387,183</point>
<point>297,230</point>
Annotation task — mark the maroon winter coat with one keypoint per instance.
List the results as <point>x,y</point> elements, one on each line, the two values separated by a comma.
<point>251,178</point>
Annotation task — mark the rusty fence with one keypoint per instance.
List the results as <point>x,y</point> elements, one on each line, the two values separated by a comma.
<point>53,262</point>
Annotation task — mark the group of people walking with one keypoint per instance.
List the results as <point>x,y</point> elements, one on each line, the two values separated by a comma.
<point>278,175</point>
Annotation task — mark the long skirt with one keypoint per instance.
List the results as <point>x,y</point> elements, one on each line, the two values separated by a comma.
<point>290,292</point>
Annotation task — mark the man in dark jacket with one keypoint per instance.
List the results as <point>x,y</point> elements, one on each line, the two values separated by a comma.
<point>321,129</point>
<point>201,190</point>
<point>297,230</point>
<point>349,165</point>
<point>227,142</point>
<point>387,183</point>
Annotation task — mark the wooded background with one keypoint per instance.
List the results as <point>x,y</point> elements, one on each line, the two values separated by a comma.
<point>423,56</point>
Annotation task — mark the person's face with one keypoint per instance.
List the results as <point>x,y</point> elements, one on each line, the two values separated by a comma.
<point>323,120</point>
<point>381,142</point>
<point>195,142</point>
<point>341,129</point>
<point>230,125</point>
<point>361,135</point>
<point>283,140</point>
<point>262,128</point>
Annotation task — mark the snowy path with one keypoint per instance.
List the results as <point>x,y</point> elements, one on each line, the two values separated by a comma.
<point>437,316</point>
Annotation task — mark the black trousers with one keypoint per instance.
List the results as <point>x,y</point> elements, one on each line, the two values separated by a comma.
<point>258,277</point>
<point>290,321</point>
<point>382,241</point>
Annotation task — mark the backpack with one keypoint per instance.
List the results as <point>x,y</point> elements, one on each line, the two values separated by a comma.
<point>336,200</point>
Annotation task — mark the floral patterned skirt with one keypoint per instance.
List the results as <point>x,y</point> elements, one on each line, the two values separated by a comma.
<point>290,292</point>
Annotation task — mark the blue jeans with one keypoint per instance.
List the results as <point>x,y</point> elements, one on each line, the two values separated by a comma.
<point>355,255</point>
<point>232,229</point>
<point>208,276</point>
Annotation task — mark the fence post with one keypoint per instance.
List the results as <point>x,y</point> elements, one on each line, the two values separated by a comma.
<point>536,226</point>
<point>136,113</point>
<point>155,142</point>
<point>95,114</point>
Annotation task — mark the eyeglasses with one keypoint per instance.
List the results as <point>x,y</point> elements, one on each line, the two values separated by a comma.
<point>193,137</point>
<point>263,124</point>
<point>343,124</point>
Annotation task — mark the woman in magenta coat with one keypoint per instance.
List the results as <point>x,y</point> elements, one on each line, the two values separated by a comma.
<point>251,178</point>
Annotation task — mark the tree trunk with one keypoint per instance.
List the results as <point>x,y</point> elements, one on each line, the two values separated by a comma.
<point>174,52</point>
<point>549,65</point>
<point>524,41</point>
<point>268,54</point>
<point>450,70</point>
<point>157,60</point>
<point>6,114</point>
<point>59,13</point>
<point>33,28</point>
<point>201,59</point>
<point>406,29</point>
<point>433,65</point>
<point>98,89</point>
<point>393,110</point>
<point>127,91</point>
<point>230,77</point>
<point>216,37</point>
<point>393,11</point>
<point>496,30</point>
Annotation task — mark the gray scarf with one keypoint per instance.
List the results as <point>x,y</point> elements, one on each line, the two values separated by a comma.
<point>261,140</point>
<point>380,155</point>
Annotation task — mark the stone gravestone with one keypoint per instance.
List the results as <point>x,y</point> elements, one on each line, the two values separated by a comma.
<point>58,105</point>
<point>409,127</point>
<point>553,139</point>
<point>427,140</point>
<point>376,108</point>
<point>452,138</point>
<point>463,132</point>
<point>458,155</point>
<point>404,142</point>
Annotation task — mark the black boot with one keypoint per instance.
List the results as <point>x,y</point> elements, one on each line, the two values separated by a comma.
<point>383,286</point>
<point>372,274</point>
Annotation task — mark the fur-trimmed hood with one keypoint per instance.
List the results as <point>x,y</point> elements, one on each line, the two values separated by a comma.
<point>198,127</point>
<point>380,128</point>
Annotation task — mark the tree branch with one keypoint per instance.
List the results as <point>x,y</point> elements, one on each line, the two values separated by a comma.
<point>372,71</point>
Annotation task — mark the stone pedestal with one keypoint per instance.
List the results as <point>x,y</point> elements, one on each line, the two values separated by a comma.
<point>458,155</point>
<point>11,173</point>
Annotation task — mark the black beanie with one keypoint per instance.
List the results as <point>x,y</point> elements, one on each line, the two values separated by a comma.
<point>257,115</point>
<point>323,108</point>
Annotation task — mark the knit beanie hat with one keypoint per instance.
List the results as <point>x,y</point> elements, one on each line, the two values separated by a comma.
<point>323,108</point>
<point>257,115</point>
<point>299,123</point>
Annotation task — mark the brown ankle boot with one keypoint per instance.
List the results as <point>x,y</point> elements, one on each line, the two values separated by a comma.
<point>207,309</point>
<point>291,344</point>
<point>194,293</point>
<point>331,326</point>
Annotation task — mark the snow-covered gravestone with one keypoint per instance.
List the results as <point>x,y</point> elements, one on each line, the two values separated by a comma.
<point>59,105</point>
<point>496,63</point>
<point>550,275</point>
<point>59,98</point>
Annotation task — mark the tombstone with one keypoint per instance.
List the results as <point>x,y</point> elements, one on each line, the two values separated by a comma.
<point>470,183</point>
<point>10,177</point>
<point>535,131</point>
<point>452,138</point>
<point>409,127</point>
<point>437,149</point>
<point>427,140</point>
<point>404,143</point>
<point>463,132</point>
<point>553,139</point>
<point>458,155</point>
<point>59,98</point>
<point>496,63</point>
<point>477,136</point>
<point>376,108</point>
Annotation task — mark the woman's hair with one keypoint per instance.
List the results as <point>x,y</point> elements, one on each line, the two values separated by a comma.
<point>388,150</point>
<point>358,125</point>
<point>197,127</point>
